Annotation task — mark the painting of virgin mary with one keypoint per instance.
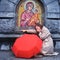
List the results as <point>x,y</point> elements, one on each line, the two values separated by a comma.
<point>27,17</point>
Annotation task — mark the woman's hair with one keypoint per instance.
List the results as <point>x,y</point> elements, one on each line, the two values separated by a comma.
<point>29,4</point>
<point>38,24</point>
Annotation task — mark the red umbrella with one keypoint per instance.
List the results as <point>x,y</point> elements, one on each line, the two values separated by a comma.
<point>27,45</point>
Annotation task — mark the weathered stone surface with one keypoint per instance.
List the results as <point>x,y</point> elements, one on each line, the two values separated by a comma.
<point>48,1</point>
<point>14,1</point>
<point>7,14</point>
<point>53,15</point>
<point>52,25</point>
<point>59,27</point>
<point>53,7</point>
<point>5,6</point>
<point>7,25</point>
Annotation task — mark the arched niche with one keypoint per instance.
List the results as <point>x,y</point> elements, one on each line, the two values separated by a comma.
<point>21,7</point>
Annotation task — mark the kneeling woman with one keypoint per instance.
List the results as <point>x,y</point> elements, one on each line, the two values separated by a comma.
<point>45,35</point>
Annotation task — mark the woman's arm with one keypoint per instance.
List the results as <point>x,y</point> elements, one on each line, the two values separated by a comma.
<point>44,34</point>
<point>29,31</point>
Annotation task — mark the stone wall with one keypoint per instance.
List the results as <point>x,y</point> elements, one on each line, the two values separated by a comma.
<point>8,11</point>
<point>8,16</point>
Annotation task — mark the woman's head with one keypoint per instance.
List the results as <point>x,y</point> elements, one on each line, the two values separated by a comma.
<point>29,5</point>
<point>38,27</point>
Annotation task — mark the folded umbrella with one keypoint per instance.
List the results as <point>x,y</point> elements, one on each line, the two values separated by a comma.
<point>27,45</point>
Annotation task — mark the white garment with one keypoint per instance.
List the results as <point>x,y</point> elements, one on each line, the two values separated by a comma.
<point>45,35</point>
<point>54,53</point>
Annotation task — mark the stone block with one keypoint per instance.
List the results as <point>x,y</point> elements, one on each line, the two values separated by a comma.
<point>14,1</point>
<point>52,25</point>
<point>7,25</point>
<point>48,1</point>
<point>59,26</point>
<point>53,7</point>
<point>6,6</point>
<point>7,14</point>
<point>53,15</point>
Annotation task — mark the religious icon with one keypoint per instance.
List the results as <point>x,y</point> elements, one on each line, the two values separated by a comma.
<point>28,17</point>
<point>29,13</point>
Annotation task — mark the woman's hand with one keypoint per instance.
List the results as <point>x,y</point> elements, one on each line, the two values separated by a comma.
<point>29,31</point>
<point>24,30</point>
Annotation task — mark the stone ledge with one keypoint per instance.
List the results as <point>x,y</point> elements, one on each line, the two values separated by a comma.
<point>7,14</point>
<point>53,15</point>
<point>10,35</point>
<point>56,37</point>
